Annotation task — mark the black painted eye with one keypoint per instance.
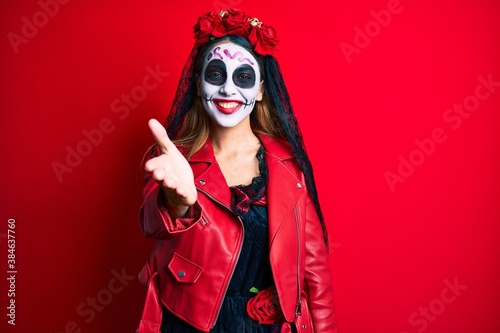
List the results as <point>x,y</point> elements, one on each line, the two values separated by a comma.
<point>244,76</point>
<point>215,73</point>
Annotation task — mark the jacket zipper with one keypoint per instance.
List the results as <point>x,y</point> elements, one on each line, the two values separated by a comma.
<point>298,307</point>
<point>237,257</point>
<point>203,221</point>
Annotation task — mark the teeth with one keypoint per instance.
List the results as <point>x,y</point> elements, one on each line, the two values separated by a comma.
<point>228,105</point>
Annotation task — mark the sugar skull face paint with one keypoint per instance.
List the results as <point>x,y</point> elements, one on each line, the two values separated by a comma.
<point>230,84</point>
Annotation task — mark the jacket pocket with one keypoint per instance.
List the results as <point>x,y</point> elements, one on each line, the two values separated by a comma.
<point>183,270</point>
<point>304,321</point>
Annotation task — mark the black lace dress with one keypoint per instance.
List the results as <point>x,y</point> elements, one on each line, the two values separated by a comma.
<point>253,270</point>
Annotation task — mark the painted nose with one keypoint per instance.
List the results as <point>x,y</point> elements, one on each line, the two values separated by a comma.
<point>228,88</point>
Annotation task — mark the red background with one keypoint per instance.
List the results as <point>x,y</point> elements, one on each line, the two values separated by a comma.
<point>396,249</point>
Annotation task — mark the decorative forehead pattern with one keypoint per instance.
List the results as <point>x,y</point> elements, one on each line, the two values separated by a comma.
<point>226,54</point>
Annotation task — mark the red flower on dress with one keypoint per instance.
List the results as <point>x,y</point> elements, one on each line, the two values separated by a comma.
<point>264,307</point>
<point>235,22</point>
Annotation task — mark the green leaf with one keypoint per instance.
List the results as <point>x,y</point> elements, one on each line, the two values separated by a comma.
<point>254,290</point>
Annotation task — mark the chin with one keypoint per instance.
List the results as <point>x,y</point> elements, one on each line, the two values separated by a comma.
<point>227,121</point>
<point>228,124</point>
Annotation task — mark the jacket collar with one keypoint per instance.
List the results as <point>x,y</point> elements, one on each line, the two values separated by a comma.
<point>285,183</point>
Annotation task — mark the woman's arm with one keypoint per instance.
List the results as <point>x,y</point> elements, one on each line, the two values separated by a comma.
<point>317,275</point>
<point>170,195</point>
<point>154,217</point>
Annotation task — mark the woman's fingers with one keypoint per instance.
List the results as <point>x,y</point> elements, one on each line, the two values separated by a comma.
<point>160,135</point>
<point>154,163</point>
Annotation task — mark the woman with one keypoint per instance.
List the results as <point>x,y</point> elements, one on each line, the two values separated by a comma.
<point>242,245</point>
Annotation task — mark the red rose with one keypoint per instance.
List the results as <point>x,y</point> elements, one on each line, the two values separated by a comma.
<point>202,30</point>
<point>219,28</point>
<point>205,22</point>
<point>235,16</point>
<point>236,22</point>
<point>263,39</point>
<point>264,307</point>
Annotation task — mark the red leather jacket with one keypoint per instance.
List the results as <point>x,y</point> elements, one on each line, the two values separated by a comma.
<point>196,255</point>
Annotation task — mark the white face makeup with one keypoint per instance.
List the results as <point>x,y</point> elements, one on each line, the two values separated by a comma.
<point>230,84</point>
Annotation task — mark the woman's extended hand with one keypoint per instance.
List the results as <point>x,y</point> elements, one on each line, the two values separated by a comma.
<point>171,171</point>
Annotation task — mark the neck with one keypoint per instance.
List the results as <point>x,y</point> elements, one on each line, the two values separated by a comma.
<point>233,139</point>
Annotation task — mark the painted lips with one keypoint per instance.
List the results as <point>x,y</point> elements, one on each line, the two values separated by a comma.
<point>227,106</point>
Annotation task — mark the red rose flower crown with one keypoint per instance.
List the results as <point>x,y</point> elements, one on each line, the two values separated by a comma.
<point>233,21</point>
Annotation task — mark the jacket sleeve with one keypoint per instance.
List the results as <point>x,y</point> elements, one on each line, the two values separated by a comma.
<point>317,275</point>
<point>154,219</point>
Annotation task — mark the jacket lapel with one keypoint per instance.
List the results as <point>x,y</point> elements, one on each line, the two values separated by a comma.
<point>284,187</point>
<point>208,177</point>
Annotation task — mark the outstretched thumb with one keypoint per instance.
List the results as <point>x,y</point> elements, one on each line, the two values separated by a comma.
<point>160,135</point>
